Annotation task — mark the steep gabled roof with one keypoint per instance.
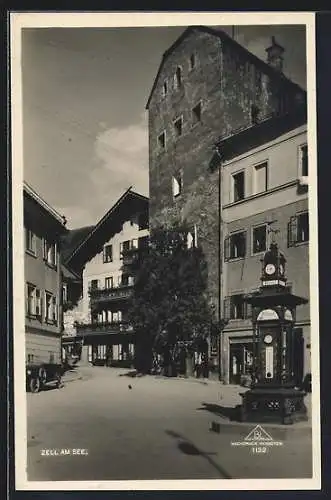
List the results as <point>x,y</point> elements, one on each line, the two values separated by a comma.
<point>95,235</point>
<point>226,38</point>
<point>29,191</point>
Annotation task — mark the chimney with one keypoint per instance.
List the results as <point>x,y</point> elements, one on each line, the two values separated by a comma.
<point>275,55</point>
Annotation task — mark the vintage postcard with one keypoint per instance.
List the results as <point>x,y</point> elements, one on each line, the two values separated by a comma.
<point>164,189</point>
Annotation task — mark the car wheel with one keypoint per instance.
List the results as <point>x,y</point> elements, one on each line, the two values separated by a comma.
<point>34,384</point>
<point>59,382</point>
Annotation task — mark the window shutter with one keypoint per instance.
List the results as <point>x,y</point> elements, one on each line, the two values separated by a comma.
<point>226,308</point>
<point>292,231</point>
<point>38,303</point>
<point>227,248</point>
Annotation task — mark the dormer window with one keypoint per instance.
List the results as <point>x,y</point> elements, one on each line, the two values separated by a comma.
<point>178,78</point>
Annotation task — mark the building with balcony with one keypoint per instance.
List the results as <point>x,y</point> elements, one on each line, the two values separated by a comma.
<point>43,229</point>
<point>211,93</point>
<point>97,316</point>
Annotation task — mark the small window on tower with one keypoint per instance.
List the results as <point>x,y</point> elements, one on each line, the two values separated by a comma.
<point>178,78</point>
<point>177,185</point>
<point>196,113</point>
<point>178,124</point>
<point>162,140</point>
<point>192,61</point>
<point>164,89</point>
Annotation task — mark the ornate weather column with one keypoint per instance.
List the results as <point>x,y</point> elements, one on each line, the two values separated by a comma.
<point>273,395</point>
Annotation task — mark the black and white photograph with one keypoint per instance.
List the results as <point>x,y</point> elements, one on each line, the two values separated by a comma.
<point>165,283</point>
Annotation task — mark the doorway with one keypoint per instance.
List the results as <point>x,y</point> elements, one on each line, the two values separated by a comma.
<point>241,361</point>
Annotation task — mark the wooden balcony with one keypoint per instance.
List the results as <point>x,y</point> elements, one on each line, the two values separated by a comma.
<point>98,295</point>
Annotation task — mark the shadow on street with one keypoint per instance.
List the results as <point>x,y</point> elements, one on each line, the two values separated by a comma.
<point>231,413</point>
<point>188,448</point>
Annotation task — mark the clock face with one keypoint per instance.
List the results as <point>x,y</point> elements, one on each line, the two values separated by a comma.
<point>270,269</point>
<point>268,339</point>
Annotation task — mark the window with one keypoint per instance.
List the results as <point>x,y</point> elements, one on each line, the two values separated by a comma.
<point>259,239</point>
<point>177,185</point>
<point>192,237</point>
<point>48,307</point>
<point>236,308</point>
<point>31,300</point>
<point>238,186</point>
<point>64,293</point>
<point>178,124</point>
<point>30,358</point>
<point>134,244</point>
<point>164,88</point>
<point>261,178</point>
<point>30,241</point>
<point>178,78</point>
<point>125,246</point>
<point>303,161</point>
<point>94,284</point>
<point>235,246</point>
<point>196,113</point>
<point>298,229</point>
<point>109,282</point>
<point>161,140</point>
<point>192,61</point>
<point>143,222</point>
<point>49,252</point>
<point>107,253</point>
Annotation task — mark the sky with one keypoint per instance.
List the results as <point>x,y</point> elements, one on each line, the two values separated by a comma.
<point>85,136</point>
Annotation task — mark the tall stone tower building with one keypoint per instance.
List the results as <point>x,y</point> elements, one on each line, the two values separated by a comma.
<point>208,87</point>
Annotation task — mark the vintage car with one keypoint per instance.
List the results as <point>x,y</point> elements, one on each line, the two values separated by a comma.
<point>38,376</point>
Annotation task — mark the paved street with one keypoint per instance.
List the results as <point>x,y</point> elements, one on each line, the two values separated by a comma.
<point>158,429</point>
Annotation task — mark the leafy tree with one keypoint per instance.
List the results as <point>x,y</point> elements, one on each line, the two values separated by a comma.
<point>170,305</point>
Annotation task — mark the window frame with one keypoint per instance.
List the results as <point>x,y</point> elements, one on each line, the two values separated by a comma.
<point>293,226</point>
<point>33,249</point>
<point>233,175</point>
<point>47,248</point>
<point>178,178</point>
<point>178,119</point>
<point>195,120</point>
<point>300,158</point>
<point>48,312</point>
<point>228,245</point>
<point>261,164</point>
<point>252,238</point>
<point>178,83</point>
<point>104,253</point>
<point>160,146</point>
<point>111,280</point>
<point>228,308</point>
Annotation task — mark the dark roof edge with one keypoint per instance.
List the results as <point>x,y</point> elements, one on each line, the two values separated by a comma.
<point>220,34</point>
<point>71,271</point>
<point>102,220</point>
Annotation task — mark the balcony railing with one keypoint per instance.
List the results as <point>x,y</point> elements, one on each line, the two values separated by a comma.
<point>110,294</point>
<point>103,328</point>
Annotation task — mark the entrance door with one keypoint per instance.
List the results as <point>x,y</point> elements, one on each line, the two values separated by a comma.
<point>241,361</point>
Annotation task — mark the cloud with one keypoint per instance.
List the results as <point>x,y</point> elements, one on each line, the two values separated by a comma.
<point>121,155</point>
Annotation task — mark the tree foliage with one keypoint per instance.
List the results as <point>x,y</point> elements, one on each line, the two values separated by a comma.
<point>170,302</point>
